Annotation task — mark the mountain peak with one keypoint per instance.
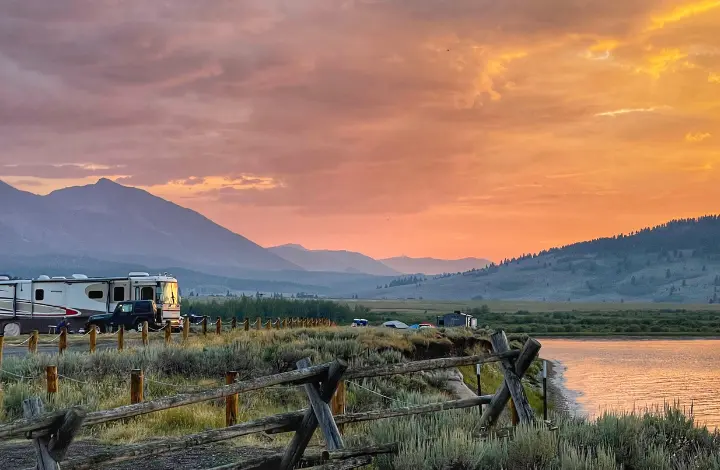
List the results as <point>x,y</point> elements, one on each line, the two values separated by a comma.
<point>297,246</point>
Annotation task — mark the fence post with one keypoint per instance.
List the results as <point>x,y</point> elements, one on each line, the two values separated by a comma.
<point>337,404</point>
<point>32,344</point>
<point>51,374</point>
<point>145,328</point>
<point>218,326</point>
<point>277,324</point>
<point>232,402</point>
<point>246,324</point>
<point>168,332</point>
<point>233,324</point>
<point>186,328</point>
<point>544,385</point>
<point>204,326</point>
<point>478,370</point>
<point>136,386</point>
<point>121,337</point>
<point>93,338</point>
<point>2,344</point>
<point>259,324</point>
<point>62,343</point>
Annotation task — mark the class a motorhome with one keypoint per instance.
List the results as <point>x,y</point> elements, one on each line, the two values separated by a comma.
<point>34,304</point>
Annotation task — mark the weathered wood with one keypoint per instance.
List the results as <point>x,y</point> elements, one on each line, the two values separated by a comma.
<point>63,437</point>
<point>218,326</point>
<point>33,407</point>
<point>268,325</point>
<point>258,325</point>
<point>51,376</point>
<point>62,341</point>
<point>285,422</point>
<point>292,377</point>
<point>136,386</point>
<point>527,355</point>
<point>168,332</point>
<point>2,344</point>
<point>145,330</point>
<point>512,380</point>
<point>147,450</point>
<point>186,328</point>
<point>337,403</point>
<point>232,402</point>
<point>348,464</point>
<point>304,433</point>
<point>430,364</point>
<point>32,344</point>
<point>322,411</point>
<point>93,338</point>
<point>121,338</point>
<point>312,457</point>
<point>204,326</point>
<point>233,324</point>
<point>246,324</point>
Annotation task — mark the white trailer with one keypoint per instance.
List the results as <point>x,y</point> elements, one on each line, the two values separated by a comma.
<point>35,304</point>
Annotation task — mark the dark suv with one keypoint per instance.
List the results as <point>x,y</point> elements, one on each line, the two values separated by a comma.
<point>129,314</point>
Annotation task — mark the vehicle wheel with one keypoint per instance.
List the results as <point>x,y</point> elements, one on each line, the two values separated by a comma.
<point>98,329</point>
<point>11,329</point>
<point>138,327</point>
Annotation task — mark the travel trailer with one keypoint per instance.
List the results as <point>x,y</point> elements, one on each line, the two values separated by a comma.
<point>35,304</point>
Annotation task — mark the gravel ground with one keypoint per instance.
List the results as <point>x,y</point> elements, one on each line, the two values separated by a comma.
<point>21,455</point>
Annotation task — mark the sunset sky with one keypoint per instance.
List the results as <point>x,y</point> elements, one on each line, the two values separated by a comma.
<point>421,127</point>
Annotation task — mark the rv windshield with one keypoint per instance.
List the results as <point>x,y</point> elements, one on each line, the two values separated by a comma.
<point>168,293</point>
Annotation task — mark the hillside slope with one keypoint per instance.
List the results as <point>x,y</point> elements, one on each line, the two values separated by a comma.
<point>674,262</point>
<point>431,266</point>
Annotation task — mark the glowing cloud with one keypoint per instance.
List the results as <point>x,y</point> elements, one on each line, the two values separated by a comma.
<point>713,77</point>
<point>619,112</point>
<point>694,137</point>
<point>683,12</point>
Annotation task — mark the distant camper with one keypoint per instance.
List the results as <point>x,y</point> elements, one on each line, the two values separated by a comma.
<point>35,304</point>
<point>359,322</point>
<point>457,318</point>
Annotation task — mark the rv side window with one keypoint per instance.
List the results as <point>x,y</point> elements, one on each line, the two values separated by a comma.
<point>146,293</point>
<point>39,294</point>
<point>95,294</point>
<point>118,294</point>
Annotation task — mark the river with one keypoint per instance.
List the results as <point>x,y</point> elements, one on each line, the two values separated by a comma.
<point>627,374</point>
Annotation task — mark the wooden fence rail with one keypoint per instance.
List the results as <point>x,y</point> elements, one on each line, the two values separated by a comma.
<point>320,383</point>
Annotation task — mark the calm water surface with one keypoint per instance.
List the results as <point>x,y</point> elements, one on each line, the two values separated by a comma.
<point>630,374</point>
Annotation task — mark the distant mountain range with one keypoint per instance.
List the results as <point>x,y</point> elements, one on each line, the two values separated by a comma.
<point>105,228</point>
<point>109,221</point>
<point>678,261</point>
<point>350,261</point>
<point>332,260</point>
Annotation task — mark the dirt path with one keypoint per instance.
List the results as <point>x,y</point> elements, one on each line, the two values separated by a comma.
<point>20,454</point>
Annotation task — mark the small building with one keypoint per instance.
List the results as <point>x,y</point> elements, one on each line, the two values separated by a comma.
<point>457,318</point>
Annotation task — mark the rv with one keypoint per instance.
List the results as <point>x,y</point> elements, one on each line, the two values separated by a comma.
<point>35,304</point>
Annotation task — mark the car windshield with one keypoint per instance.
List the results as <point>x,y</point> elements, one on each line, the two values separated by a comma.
<point>124,308</point>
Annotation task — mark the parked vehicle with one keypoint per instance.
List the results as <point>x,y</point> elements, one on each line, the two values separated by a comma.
<point>396,324</point>
<point>359,322</point>
<point>130,315</point>
<point>35,304</point>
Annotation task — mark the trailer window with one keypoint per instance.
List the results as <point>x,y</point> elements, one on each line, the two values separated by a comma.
<point>146,293</point>
<point>118,294</point>
<point>95,294</point>
<point>39,294</point>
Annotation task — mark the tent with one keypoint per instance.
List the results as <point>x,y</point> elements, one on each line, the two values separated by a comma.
<point>395,324</point>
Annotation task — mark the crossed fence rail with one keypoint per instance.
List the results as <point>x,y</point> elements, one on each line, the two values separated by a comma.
<point>53,432</point>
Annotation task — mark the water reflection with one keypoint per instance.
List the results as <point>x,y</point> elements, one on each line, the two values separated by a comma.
<point>632,374</point>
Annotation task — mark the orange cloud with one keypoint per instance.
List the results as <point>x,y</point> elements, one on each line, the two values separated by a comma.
<point>697,136</point>
<point>683,12</point>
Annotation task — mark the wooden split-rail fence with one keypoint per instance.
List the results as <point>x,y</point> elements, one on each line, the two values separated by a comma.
<point>33,339</point>
<point>52,433</point>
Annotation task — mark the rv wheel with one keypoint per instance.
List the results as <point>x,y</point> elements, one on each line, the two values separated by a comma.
<point>11,329</point>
